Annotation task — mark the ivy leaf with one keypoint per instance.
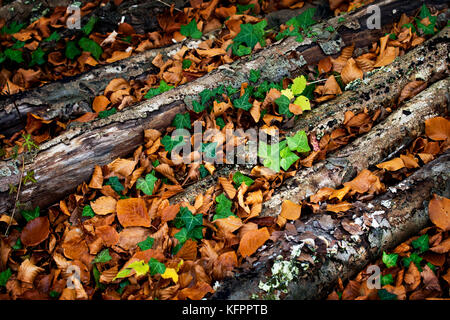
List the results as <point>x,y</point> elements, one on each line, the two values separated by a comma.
<point>298,142</point>
<point>182,236</point>
<point>390,260</point>
<point>18,44</point>
<point>188,220</point>
<point>287,158</point>
<point>18,245</point>
<point>4,277</point>
<point>424,12</point>
<point>220,122</point>
<point>72,50</point>
<point>238,178</point>
<point>304,20</point>
<point>182,121</point>
<point>186,64</point>
<point>251,34</point>
<point>197,106</point>
<point>231,90</point>
<point>271,154</point>
<point>283,106</point>
<point>241,50</point>
<point>146,244</point>
<point>13,55</point>
<point>254,75</point>
<point>90,46</point>
<point>413,257</point>
<point>242,102</point>
<point>12,28</point>
<point>89,26</point>
<point>163,87</point>
<point>53,37</point>
<point>88,212</point>
<point>191,30</point>
<point>223,207</point>
<point>54,294</point>
<point>31,214</point>
<point>122,286</point>
<point>383,294</point>
<point>242,8</point>
<point>387,279</point>
<point>37,57</point>
<point>298,85</point>
<point>103,256</point>
<point>203,171</point>
<point>146,185</point>
<point>209,149</point>
<point>170,144</point>
<point>421,243</point>
<point>156,267</point>
<point>115,184</point>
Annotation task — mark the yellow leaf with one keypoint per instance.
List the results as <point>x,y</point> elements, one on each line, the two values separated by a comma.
<point>288,93</point>
<point>303,102</point>
<point>170,273</point>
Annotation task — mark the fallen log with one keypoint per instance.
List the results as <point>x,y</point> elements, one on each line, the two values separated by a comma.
<point>400,213</point>
<point>72,97</point>
<point>398,130</point>
<point>67,160</point>
<point>373,93</point>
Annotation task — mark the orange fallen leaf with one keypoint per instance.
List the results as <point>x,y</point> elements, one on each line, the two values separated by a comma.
<point>35,231</point>
<point>229,224</point>
<point>100,103</point>
<point>392,165</point>
<point>439,212</point>
<point>133,212</point>
<point>351,71</point>
<point>104,205</point>
<point>290,210</point>
<point>339,207</point>
<point>437,128</point>
<point>252,240</point>
<point>97,178</point>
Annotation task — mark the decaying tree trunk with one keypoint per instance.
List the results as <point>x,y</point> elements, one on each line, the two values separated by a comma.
<point>67,160</point>
<point>400,213</point>
<point>71,97</point>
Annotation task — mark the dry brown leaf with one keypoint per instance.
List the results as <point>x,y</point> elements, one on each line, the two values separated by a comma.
<point>104,205</point>
<point>35,231</point>
<point>252,240</point>
<point>227,187</point>
<point>97,178</point>
<point>351,71</point>
<point>437,128</point>
<point>133,212</point>
<point>439,212</point>
<point>290,210</point>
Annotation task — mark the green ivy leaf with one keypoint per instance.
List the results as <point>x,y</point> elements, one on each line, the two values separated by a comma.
<point>37,57</point>
<point>220,122</point>
<point>238,178</point>
<point>186,219</point>
<point>163,87</point>
<point>298,142</point>
<point>12,28</point>
<point>88,212</point>
<point>31,214</point>
<point>89,26</point>
<point>146,244</point>
<point>203,171</point>
<point>115,184</point>
<point>106,113</point>
<point>421,243</point>
<point>191,30</point>
<point>413,257</point>
<point>287,158</point>
<point>4,277</point>
<point>254,75</point>
<point>13,55</point>
<point>103,256</point>
<point>54,294</point>
<point>18,245</point>
<point>251,34</point>
<point>243,8</point>
<point>242,102</point>
<point>72,50</point>
<point>383,294</point>
<point>182,121</point>
<point>186,64</point>
<point>387,279</point>
<point>156,267</point>
<point>283,106</point>
<point>122,286</point>
<point>390,260</point>
<point>223,207</point>
<point>209,149</point>
<point>304,20</point>
<point>53,37</point>
<point>146,185</point>
<point>90,46</point>
<point>169,143</point>
<point>231,90</point>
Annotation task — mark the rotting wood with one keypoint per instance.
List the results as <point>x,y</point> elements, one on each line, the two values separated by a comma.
<point>401,212</point>
<point>71,97</point>
<point>67,160</point>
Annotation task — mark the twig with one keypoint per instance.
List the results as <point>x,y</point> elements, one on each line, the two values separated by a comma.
<point>14,102</point>
<point>166,4</point>
<point>17,196</point>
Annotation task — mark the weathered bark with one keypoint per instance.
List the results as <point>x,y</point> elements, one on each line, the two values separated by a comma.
<point>376,91</point>
<point>70,97</point>
<point>401,212</point>
<point>67,160</point>
<point>383,140</point>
